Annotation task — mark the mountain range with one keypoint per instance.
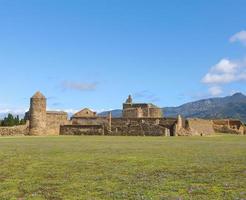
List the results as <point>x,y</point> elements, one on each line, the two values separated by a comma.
<point>221,107</point>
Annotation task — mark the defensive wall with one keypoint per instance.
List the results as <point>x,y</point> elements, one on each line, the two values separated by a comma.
<point>139,119</point>
<point>81,130</point>
<point>230,126</point>
<point>200,127</point>
<point>20,130</point>
<point>120,126</point>
<point>54,120</point>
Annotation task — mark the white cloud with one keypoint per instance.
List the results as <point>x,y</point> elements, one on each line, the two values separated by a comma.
<point>226,71</point>
<point>225,66</point>
<point>211,78</point>
<point>239,37</point>
<point>215,90</point>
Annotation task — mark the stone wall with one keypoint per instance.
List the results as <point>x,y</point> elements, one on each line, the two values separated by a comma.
<point>229,126</point>
<point>120,126</point>
<point>226,129</point>
<point>199,127</point>
<point>132,113</point>
<point>139,130</point>
<point>20,130</point>
<point>90,120</point>
<point>230,123</point>
<point>145,111</point>
<point>54,120</point>
<point>142,126</point>
<point>86,112</point>
<point>155,112</point>
<point>142,112</point>
<point>81,130</point>
<point>167,122</point>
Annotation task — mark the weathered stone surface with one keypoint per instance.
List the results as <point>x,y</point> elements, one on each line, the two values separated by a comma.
<point>86,112</point>
<point>37,114</point>
<point>140,110</point>
<point>15,130</point>
<point>54,120</point>
<point>81,130</point>
<point>142,126</point>
<point>139,119</point>
<point>199,127</point>
<point>227,129</point>
<point>229,126</point>
<point>44,122</point>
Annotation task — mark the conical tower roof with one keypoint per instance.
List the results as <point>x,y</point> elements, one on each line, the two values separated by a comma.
<point>38,95</point>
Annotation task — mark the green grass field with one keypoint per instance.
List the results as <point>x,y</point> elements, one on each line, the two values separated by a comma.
<point>91,167</point>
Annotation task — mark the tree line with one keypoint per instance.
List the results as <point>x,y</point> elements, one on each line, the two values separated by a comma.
<point>10,120</point>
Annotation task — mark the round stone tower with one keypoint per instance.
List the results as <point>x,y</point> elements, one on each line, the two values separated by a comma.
<point>37,114</point>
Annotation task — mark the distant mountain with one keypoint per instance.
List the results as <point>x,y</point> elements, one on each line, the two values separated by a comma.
<point>224,107</point>
<point>115,113</point>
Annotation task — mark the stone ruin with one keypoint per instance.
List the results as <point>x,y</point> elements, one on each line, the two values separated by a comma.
<point>138,119</point>
<point>140,110</point>
<point>41,121</point>
<point>231,126</point>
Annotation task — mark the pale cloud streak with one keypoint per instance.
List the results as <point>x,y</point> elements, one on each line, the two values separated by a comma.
<point>79,86</point>
<point>239,37</point>
<point>14,111</point>
<point>146,96</point>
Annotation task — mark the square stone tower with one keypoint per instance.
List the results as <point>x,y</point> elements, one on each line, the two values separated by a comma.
<point>140,110</point>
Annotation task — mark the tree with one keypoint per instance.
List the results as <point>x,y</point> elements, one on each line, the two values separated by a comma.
<point>10,120</point>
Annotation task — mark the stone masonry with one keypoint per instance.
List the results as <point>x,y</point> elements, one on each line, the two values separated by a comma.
<point>44,122</point>
<point>37,114</point>
<point>143,119</point>
<point>140,110</point>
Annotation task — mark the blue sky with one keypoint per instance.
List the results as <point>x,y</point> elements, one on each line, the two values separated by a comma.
<point>93,53</point>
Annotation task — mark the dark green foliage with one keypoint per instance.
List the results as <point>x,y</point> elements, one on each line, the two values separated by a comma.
<point>10,120</point>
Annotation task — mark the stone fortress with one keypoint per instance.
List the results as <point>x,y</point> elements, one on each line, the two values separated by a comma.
<point>138,119</point>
